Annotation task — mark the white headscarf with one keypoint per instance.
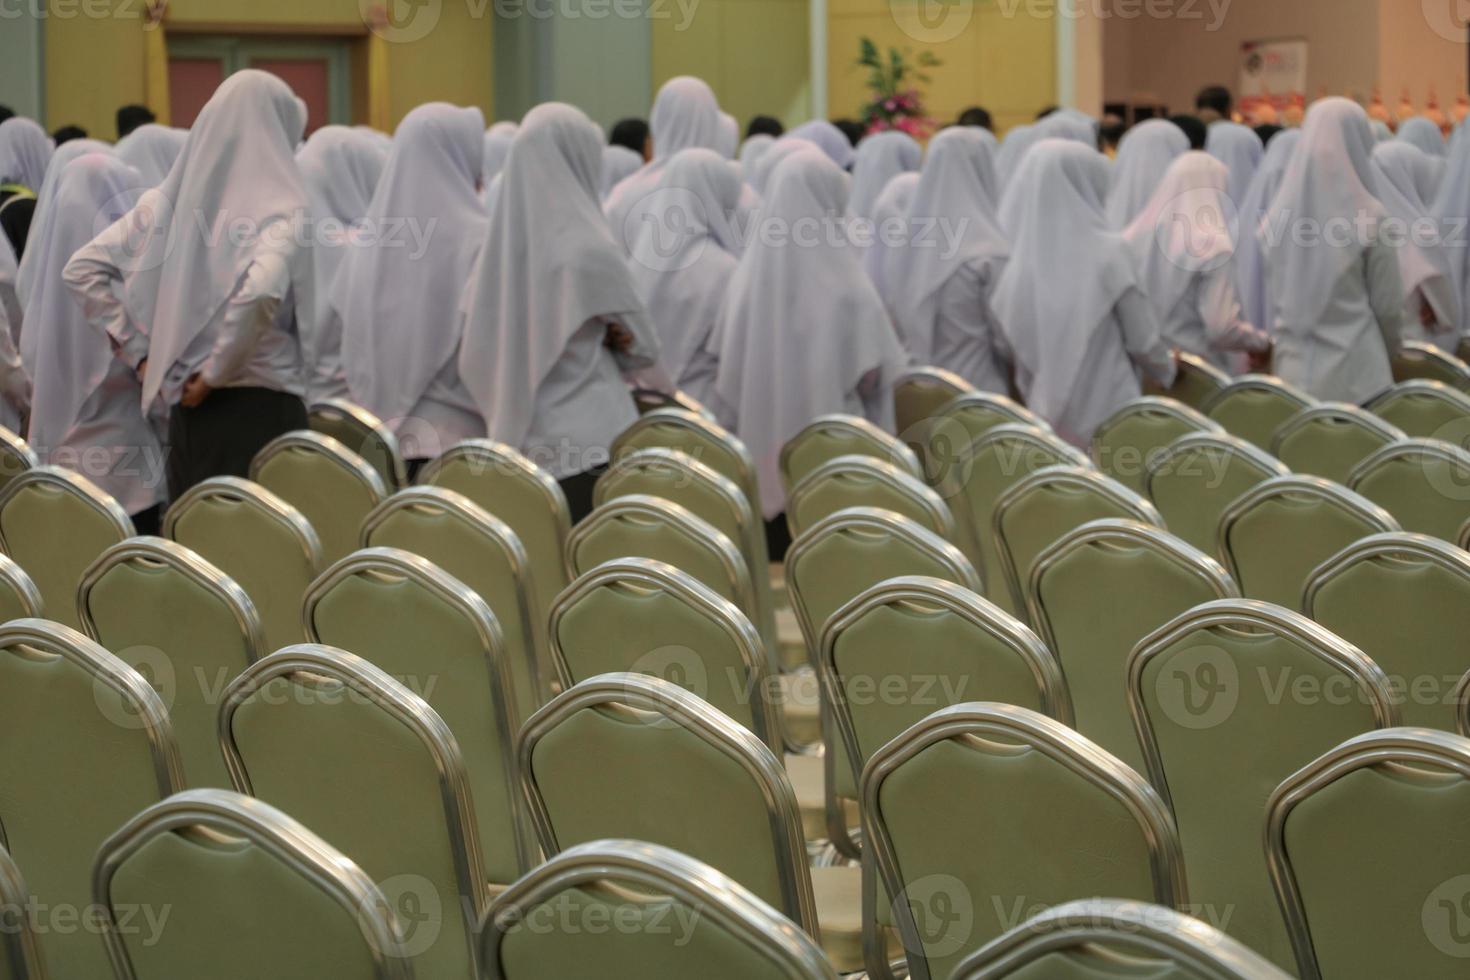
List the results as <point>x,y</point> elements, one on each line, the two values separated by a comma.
<point>65,154</point>
<point>497,147</point>
<point>25,150</point>
<point>1067,268</point>
<point>1250,269</point>
<point>880,158</point>
<point>618,162</point>
<point>752,150</point>
<point>957,185</point>
<point>801,325</point>
<point>1012,149</point>
<point>549,264</point>
<point>378,136</point>
<point>1069,124</point>
<point>1404,180</point>
<point>1240,149</point>
<point>729,136</point>
<point>827,138</point>
<point>879,260</point>
<point>151,150</point>
<point>67,359</point>
<point>1452,209</point>
<point>1330,176</point>
<point>685,114</point>
<point>1184,229</point>
<point>760,177</point>
<point>1424,134</point>
<point>1381,132</point>
<point>1144,156</point>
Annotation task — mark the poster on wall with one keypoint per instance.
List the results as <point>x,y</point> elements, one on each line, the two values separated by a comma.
<point>1272,73</point>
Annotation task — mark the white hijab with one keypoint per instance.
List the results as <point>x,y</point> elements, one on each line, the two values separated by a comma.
<point>1069,124</point>
<point>1330,176</point>
<point>1186,228</point>
<point>752,150</point>
<point>1381,132</point>
<point>549,264</point>
<point>685,114</point>
<point>65,154</point>
<point>827,138</point>
<point>67,360</point>
<point>497,147</point>
<point>618,162</point>
<point>729,136</point>
<point>1250,268</point>
<point>1144,156</point>
<point>879,260</point>
<point>1240,149</point>
<point>151,150</point>
<point>801,325</point>
<point>1452,208</point>
<point>1424,134</point>
<point>880,158</point>
<point>1012,149</point>
<point>25,150</point>
<point>759,179</point>
<point>957,185</point>
<point>1067,268</point>
<point>1404,179</point>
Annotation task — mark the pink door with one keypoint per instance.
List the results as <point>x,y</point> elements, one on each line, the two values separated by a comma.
<point>310,79</point>
<point>191,81</point>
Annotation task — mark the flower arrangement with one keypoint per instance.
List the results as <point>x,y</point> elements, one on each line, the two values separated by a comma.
<point>896,103</point>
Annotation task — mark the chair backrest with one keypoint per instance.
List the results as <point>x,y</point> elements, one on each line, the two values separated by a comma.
<point>1083,939</point>
<point>1196,478</point>
<point>484,554</point>
<point>1276,534</point>
<point>1404,600</point>
<point>1253,407</point>
<point>1368,857</point>
<point>293,728</point>
<point>1416,359</point>
<point>920,394</point>
<point>1039,509</point>
<point>697,437</point>
<point>537,928</point>
<point>1139,432</point>
<point>634,757</point>
<point>517,491</point>
<point>953,809</point>
<point>16,456</point>
<point>20,953</point>
<point>1195,382</point>
<point>426,629</point>
<point>54,524</point>
<point>862,481</point>
<point>1229,699</point>
<point>1151,577</point>
<point>362,433</point>
<point>649,400</point>
<point>634,615</point>
<point>332,487</point>
<point>962,421</point>
<point>1424,410</point>
<point>831,436</point>
<point>250,893</point>
<point>255,538</point>
<point>182,624</point>
<point>1329,440</point>
<point>1423,483</point>
<point>87,745</point>
<point>19,597</point>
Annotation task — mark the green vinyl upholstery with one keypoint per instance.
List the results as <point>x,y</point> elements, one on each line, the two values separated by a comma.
<point>362,433</point>
<point>920,394</point>
<point>696,437</point>
<point>862,481</point>
<point>1195,382</point>
<point>19,597</point>
<point>1425,410</point>
<point>15,457</point>
<point>1423,483</point>
<point>1253,407</point>
<point>1330,440</point>
<point>1198,476</point>
<point>20,953</point>
<point>831,436</point>
<point>332,487</point>
<point>1137,433</point>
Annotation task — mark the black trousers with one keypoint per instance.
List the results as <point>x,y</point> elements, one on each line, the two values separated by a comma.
<point>222,435</point>
<point>578,489</point>
<point>148,522</point>
<point>778,537</point>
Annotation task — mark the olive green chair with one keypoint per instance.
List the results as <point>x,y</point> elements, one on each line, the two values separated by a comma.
<point>634,615</point>
<point>920,394</point>
<point>1195,479</point>
<point>332,740</point>
<point>15,457</point>
<point>53,524</point>
<point>250,893</point>
<point>681,919</point>
<point>182,624</point>
<point>362,433</point>
<point>1276,534</point>
<point>1463,538</point>
<point>1099,590</point>
<point>695,436</point>
<point>484,554</point>
<point>257,539</point>
<point>1425,410</point>
<point>966,418</point>
<point>1331,439</point>
<point>517,491</point>
<point>862,481</point>
<point>650,400</point>
<point>426,629</point>
<point>1369,857</point>
<point>1404,600</point>
<point>1229,699</point>
<point>1253,407</point>
<point>1416,359</point>
<point>983,811</point>
<point>332,487</point>
<point>87,745</point>
<point>1042,507</point>
<point>20,952</point>
<point>1134,435</point>
<point>831,436</point>
<point>1423,483</point>
<point>19,597</point>
<point>982,472</point>
<point>1195,382</point>
<point>1105,937</point>
<point>1462,705</point>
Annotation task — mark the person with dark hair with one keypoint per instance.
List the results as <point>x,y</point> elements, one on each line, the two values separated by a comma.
<point>1267,130</point>
<point>765,126</point>
<point>1213,104</point>
<point>1047,111</point>
<point>634,135</point>
<point>976,116</point>
<point>68,133</point>
<point>1195,128</point>
<point>6,112</point>
<point>1110,133</point>
<point>852,129</point>
<point>130,117</point>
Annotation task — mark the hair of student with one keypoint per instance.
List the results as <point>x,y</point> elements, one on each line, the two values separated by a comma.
<point>68,133</point>
<point>764,126</point>
<point>130,117</point>
<point>852,129</point>
<point>631,132</point>
<point>1216,97</point>
<point>1195,128</point>
<point>976,116</point>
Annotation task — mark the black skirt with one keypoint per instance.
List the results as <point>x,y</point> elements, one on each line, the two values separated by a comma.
<point>222,435</point>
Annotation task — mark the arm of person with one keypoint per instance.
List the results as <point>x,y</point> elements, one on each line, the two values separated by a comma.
<point>15,384</point>
<point>633,340</point>
<point>248,316</point>
<point>1386,294</point>
<point>93,279</point>
<point>1143,339</point>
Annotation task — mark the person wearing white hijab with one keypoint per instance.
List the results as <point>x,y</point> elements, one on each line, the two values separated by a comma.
<point>941,288</point>
<point>729,136</point>
<point>1451,208</point>
<point>1144,156</point>
<point>87,410</point>
<point>25,151</point>
<point>1424,134</point>
<point>890,231</point>
<point>400,311</point>
<point>685,114</point>
<point>497,147</point>
<point>1183,244</point>
<point>760,177</point>
<point>151,150</point>
<point>618,163</point>
<point>1241,150</point>
<point>65,154</point>
<point>802,333</point>
<point>1381,132</point>
<point>1250,269</point>
<point>1068,124</point>
<point>880,158</point>
<point>1335,291</point>
<point>340,167</point>
<point>752,150</point>
<point>682,264</point>
<point>1012,149</point>
<point>201,284</point>
<point>1079,341</point>
<point>827,138</point>
<point>553,317</point>
<point>1405,178</point>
